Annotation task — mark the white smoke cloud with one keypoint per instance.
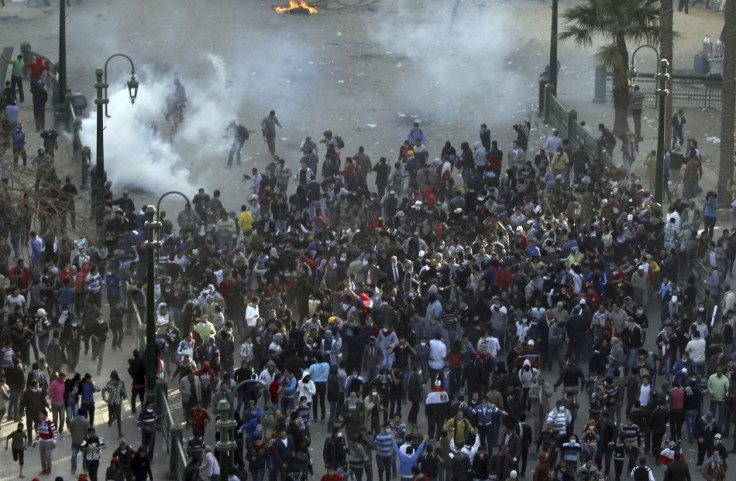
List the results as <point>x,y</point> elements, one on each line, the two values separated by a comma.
<point>137,159</point>
<point>470,74</point>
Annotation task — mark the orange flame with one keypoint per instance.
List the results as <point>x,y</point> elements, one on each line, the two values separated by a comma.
<point>297,4</point>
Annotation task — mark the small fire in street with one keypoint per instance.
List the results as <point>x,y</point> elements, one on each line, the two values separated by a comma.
<point>297,6</point>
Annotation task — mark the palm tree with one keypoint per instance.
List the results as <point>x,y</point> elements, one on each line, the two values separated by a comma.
<point>665,51</point>
<point>621,20</point>
<point>728,104</point>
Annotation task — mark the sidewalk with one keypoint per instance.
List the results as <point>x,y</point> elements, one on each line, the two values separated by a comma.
<point>114,360</point>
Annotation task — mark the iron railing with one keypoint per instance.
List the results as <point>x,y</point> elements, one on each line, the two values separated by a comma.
<point>171,432</point>
<point>690,89</point>
<point>566,121</point>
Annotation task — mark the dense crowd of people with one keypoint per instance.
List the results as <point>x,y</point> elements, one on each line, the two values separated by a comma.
<point>331,302</point>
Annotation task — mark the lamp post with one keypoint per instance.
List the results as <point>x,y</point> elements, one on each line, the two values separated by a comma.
<point>226,425</point>
<point>633,73</point>
<point>61,112</point>
<point>553,47</point>
<point>662,92</point>
<point>99,179</point>
<point>152,227</point>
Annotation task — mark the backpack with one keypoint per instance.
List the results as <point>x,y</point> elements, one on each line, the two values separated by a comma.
<point>641,473</point>
<point>243,133</point>
<point>340,142</point>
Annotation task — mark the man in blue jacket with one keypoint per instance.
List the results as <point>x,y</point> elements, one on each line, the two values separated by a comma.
<point>408,458</point>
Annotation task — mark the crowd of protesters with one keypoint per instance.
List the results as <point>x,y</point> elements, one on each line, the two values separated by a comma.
<point>459,297</point>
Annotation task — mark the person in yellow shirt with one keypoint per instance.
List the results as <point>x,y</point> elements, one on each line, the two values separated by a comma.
<point>245,221</point>
<point>559,162</point>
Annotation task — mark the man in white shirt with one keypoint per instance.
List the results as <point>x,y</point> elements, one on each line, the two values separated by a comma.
<point>437,355</point>
<point>696,350</point>
<point>252,313</point>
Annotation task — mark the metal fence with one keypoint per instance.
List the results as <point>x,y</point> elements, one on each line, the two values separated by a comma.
<point>566,121</point>
<point>690,89</point>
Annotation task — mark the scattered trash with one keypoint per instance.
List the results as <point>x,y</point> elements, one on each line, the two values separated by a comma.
<point>373,126</point>
<point>713,140</point>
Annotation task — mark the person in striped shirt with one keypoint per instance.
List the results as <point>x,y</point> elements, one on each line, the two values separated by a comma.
<point>633,441</point>
<point>384,451</point>
<point>147,424</point>
<point>46,436</point>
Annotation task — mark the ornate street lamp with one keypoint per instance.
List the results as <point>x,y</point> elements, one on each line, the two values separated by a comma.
<point>100,177</point>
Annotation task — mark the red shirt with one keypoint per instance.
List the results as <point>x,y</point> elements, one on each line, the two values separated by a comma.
<point>334,477</point>
<point>273,390</point>
<point>677,399</point>
<point>455,359</point>
<point>199,419</point>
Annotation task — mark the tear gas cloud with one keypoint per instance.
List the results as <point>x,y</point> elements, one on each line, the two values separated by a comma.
<point>410,63</point>
<point>466,77</point>
<point>136,158</point>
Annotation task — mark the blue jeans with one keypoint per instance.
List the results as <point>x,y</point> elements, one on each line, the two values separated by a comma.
<point>388,360</point>
<point>384,466</point>
<point>148,440</point>
<point>449,336</point>
<point>13,405</point>
<point>258,473</point>
<point>287,403</point>
<point>627,163</point>
<point>691,416</point>
<point>75,451</point>
<point>632,356</point>
<point>333,415</point>
<point>719,410</point>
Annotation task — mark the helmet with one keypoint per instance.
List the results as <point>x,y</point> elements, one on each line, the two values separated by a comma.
<point>41,312</point>
<point>41,151</point>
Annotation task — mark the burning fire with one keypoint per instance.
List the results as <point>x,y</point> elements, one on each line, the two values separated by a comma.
<point>297,5</point>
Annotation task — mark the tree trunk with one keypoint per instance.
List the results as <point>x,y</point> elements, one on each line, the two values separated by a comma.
<point>665,52</point>
<point>728,104</point>
<point>621,90</point>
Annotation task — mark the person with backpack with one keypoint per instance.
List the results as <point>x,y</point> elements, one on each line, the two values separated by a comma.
<point>642,472</point>
<point>237,134</point>
<point>460,428</point>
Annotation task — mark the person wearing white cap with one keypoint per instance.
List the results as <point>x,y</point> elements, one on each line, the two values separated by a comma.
<point>640,285</point>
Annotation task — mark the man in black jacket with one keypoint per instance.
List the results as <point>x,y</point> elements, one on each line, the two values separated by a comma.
<point>571,378</point>
<point>283,452</point>
<point>677,470</point>
<point>525,437</point>
<point>334,451</point>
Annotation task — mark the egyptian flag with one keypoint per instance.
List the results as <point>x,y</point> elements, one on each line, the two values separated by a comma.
<point>367,303</point>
